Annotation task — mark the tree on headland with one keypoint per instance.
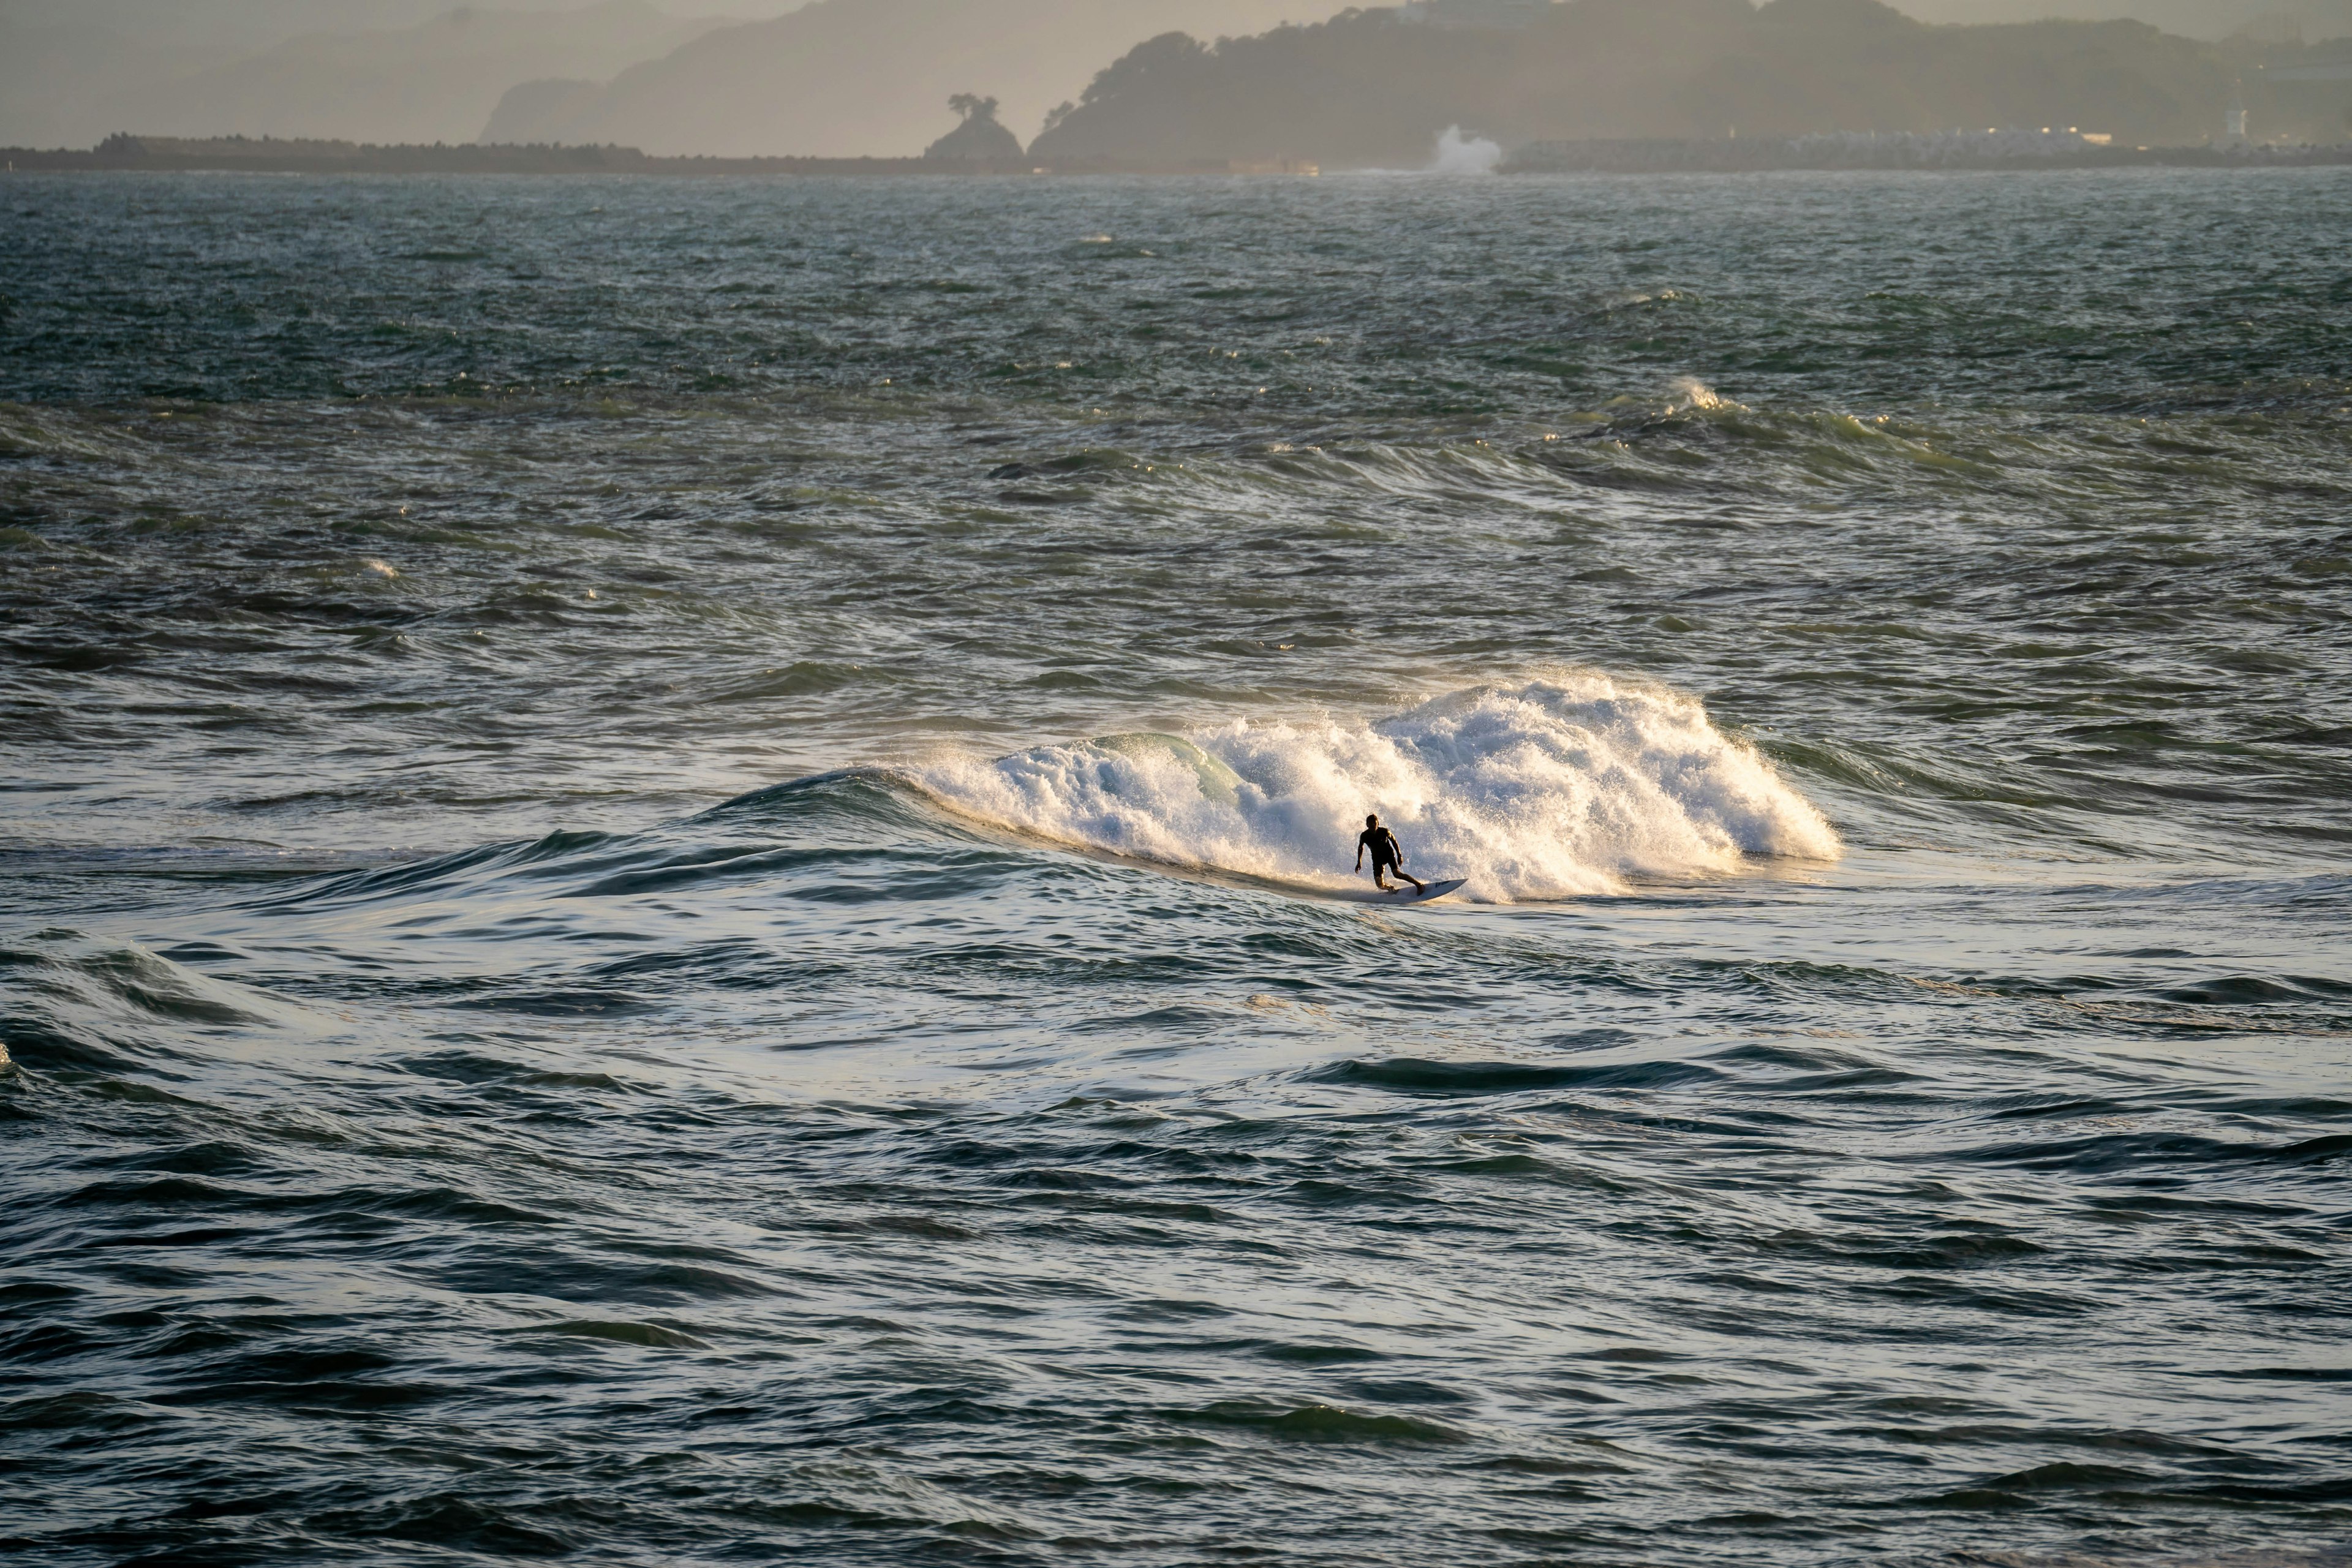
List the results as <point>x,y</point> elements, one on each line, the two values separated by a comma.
<point>980,139</point>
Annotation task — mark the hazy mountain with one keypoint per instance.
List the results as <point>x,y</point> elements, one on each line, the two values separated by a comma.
<point>1371,89</point>
<point>435,80</point>
<point>846,78</point>
<point>61,83</point>
<point>2209,19</point>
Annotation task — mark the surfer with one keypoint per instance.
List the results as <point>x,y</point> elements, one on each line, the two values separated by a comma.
<point>1386,854</point>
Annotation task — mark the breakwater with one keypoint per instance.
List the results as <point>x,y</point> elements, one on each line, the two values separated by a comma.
<point>1867,150</point>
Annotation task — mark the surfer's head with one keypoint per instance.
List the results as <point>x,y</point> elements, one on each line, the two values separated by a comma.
<point>1372,819</point>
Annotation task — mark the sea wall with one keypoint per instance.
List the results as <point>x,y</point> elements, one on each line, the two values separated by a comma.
<point>1991,150</point>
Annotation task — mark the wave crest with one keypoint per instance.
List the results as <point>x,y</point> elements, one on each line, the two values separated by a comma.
<point>1552,788</point>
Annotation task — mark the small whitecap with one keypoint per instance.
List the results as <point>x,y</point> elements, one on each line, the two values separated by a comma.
<point>1690,393</point>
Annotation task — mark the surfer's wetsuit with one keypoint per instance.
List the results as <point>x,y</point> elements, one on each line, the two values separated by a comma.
<point>1386,856</point>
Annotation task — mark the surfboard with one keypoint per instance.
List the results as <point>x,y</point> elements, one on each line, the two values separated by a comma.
<point>1403,893</point>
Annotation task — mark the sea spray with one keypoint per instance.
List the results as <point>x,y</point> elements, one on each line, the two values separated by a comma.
<point>1458,153</point>
<point>1565,786</point>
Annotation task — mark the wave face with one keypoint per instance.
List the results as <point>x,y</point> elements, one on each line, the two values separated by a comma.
<point>1556,787</point>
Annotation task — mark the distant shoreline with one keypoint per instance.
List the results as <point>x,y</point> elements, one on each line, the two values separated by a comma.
<point>1992,151</point>
<point>155,154</point>
<point>266,156</point>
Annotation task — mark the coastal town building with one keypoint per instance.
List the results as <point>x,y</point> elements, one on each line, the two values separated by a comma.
<point>2233,121</point>
<point>1506,13</point>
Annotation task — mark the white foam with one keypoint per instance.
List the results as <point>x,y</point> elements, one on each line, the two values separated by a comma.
<point>1565,786</point>
<point>1461,154</point>
<point>1690,393</point>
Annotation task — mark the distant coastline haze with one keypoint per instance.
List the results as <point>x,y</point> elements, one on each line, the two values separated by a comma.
<point>839,78</point>
<point>1377,88</point>
<point>854,77</point>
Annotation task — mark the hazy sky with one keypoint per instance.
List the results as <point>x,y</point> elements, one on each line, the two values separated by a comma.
<point>182,18</point>
<point>246,21</point>
<point>218,29</point>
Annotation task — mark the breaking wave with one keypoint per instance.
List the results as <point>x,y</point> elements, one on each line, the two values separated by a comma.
<point>1560,786</point>
<point>1466,155</point>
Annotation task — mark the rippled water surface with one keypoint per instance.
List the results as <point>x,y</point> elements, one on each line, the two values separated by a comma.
<point>674,870</point>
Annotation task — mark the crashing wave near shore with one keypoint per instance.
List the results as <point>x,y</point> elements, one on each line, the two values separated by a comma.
<point>1567,785</point>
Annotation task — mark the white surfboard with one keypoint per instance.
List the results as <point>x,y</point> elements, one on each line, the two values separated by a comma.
<point>1402,892</point>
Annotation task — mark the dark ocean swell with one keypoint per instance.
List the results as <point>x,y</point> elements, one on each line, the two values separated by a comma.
<point>674,870</point>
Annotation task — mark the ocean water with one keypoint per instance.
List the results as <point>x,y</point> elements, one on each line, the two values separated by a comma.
<point>670,854</point>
